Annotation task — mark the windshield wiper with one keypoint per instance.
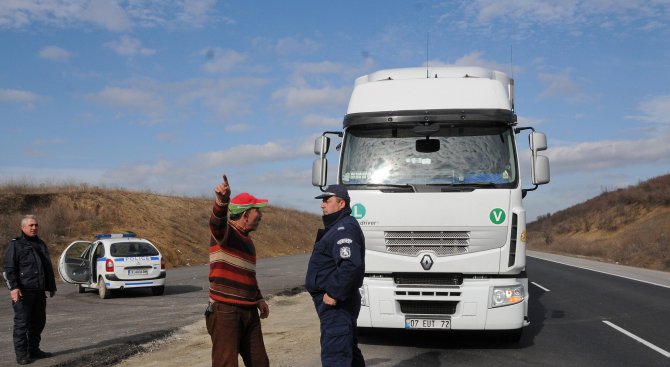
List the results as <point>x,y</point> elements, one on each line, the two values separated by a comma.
<point>388,187</point>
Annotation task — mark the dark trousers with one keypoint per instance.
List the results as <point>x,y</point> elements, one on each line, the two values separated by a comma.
<point>339,339</point>
<point>236,330</point>
<point>29,319</point>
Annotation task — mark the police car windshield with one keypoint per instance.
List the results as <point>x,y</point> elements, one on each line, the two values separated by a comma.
<point>130,249</point>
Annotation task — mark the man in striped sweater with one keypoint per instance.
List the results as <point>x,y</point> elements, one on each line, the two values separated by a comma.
<point>235,301</point>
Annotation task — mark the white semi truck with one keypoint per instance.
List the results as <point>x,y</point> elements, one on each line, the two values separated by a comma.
<point>430,160</point>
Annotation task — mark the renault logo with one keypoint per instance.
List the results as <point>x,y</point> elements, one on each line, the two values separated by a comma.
<point>426,262</point>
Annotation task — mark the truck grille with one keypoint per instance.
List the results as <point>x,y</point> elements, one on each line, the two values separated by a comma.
<point>411,243</point>
<point>428,307</point>
<point>428,279</point>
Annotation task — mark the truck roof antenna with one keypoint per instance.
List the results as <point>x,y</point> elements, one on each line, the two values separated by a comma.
<point>427,38</point>
<point>511,61</point>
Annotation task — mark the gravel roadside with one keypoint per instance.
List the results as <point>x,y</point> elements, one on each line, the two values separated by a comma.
<point>291,335</point>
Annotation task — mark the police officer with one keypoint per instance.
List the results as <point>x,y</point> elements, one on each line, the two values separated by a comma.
<point>29,275</point>
<point>334,275</point>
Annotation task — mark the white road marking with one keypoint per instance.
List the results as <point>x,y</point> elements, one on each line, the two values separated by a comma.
<point>635,337</point>
<point>600,271</point>
<point>539,286</point>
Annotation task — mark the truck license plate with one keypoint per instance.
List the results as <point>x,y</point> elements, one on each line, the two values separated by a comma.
<point>421,323</point>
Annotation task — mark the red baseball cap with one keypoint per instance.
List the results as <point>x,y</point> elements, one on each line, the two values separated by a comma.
<point>244,202</point>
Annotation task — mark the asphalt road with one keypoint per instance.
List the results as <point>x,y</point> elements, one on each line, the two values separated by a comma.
<point>579,317</point>
<point>84,330</point>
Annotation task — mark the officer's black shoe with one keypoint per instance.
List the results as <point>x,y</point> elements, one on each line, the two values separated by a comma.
<point>40,354</point>
<point>23,360</point>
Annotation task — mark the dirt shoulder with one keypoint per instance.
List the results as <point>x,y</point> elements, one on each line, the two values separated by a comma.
<point>291,335</point>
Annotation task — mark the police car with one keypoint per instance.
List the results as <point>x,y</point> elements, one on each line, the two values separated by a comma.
<point>113,261</point>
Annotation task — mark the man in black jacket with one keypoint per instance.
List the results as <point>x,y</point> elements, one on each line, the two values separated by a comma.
<point>29,276</point>
<point>334,276</point>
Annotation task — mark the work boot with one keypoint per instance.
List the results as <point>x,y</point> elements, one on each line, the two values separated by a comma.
<point>23,360</point>
<point>40,354</point>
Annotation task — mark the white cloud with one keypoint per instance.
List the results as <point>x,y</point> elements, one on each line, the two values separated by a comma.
<point>112,15</point>
<point>18,96</point>
<point>107,14</point>
<point>299,97</point>
<point>608,154</point>
<point>252,154</point>
<point>129,46</point>
<point>655,110</point>
<point>221,61</point>
<point>561,12</point>
<point>561,85</point>
<point>134,99</point>
<point>236,128</point>
<point>63,13</point>
<point>54,53</point>
<point>475,59</point>
<point>321,121</point>
<point>286,46</point>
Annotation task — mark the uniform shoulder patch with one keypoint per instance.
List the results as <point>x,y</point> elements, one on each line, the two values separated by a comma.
<point>344,240</point>
<point>345,252</point>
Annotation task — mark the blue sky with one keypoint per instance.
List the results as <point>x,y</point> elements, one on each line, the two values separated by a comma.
<point>166,95</point>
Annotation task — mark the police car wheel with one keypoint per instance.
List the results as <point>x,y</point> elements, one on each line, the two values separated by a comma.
<point>80,288</point>
<point>103,292</point>
<point>158,291</point>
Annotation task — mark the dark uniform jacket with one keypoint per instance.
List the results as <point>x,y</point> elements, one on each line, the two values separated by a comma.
<point>337,264</point>
<point>28,265</point>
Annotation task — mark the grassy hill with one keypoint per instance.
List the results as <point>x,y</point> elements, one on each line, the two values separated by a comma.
<point>628,226</point>
<point>176,225</point>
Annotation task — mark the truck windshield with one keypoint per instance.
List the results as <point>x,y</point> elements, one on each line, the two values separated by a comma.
<point>480,156</point>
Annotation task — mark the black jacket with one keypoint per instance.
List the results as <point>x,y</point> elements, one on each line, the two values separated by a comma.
<point>337,264</point>
<point>28,265</point>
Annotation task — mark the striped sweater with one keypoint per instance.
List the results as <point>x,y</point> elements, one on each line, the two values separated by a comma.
<point>232,262</point>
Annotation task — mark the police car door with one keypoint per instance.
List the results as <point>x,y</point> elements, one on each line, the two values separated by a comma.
<point>74,264</point>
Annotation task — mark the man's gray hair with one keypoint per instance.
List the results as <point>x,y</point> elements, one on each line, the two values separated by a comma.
<point>26,218</point>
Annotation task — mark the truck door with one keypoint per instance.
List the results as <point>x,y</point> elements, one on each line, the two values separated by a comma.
<point>74,264</point>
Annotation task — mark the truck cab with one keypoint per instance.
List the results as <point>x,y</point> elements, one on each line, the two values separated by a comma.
<point>430,159</point>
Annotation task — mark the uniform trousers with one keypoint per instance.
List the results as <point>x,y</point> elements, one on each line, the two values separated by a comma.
<point>339,340</point>
<point>236,330</point>
<point>30,317</point>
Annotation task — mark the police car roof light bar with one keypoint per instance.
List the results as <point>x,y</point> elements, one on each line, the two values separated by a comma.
<point>115,235</point>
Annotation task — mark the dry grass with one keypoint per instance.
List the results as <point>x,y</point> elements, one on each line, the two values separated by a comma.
<point>176,225</point>
<point>628,226</point>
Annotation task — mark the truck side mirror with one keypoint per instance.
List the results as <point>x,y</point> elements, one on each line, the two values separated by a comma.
<point>319,170</point>
<point>320,165</point>
<point>537,141</point>
<point>321,145</point>
<point>541,170</point>
<point>539,164</point>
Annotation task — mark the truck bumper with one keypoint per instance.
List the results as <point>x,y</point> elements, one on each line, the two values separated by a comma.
<point>469,304</point>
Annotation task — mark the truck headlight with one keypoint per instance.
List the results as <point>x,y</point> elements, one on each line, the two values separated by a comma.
<point>504,296</point>
<point>364,295</point>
